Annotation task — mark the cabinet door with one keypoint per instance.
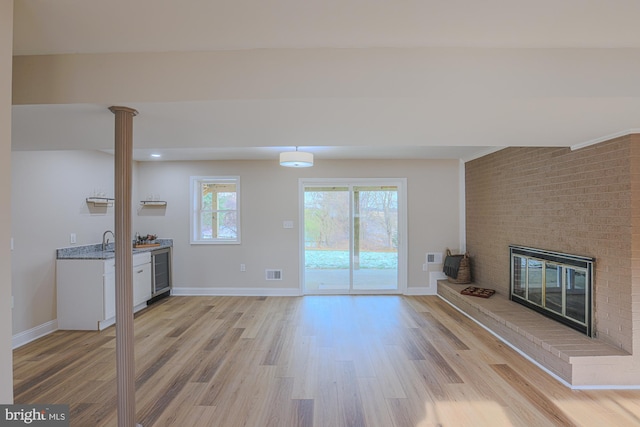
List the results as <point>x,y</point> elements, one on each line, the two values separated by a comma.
<point>109,286</point>
<point>80,288</point>
<point>141,283</point>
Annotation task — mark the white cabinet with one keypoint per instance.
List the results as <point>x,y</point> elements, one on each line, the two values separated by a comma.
<point>141,279</point>
<point>109,290</point>
<point>86,297</point>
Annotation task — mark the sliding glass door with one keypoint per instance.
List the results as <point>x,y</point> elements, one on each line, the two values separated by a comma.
<point>327,234</point>
<point>375,237</point>
<point>351,236</point>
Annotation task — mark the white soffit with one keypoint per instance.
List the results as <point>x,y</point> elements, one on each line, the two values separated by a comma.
<point>498,74</point>
<point>79,26</point>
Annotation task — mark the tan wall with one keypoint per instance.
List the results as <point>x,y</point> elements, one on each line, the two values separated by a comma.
<point>6,49</point>
<point>48,203</point>
<point>577,202</point>
<point>270,196</point>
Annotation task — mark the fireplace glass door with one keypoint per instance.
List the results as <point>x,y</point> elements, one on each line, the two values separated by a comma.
<point>557,285</point>
<point>576,294</point>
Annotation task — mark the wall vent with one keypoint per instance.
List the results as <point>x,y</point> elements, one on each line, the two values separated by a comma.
<point>273,274</point>
<point>434,258</point>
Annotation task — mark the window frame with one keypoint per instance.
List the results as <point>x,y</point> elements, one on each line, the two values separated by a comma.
<point>196,209</point>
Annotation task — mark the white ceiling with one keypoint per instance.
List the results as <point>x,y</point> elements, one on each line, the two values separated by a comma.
<point>588,103</point>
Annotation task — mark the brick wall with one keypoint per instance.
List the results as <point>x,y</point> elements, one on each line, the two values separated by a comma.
<point>578,202</point>
<point>634,159</point>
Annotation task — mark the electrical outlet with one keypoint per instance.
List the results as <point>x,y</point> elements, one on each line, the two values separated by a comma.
<point>72,238</point>
<point>243,267</point>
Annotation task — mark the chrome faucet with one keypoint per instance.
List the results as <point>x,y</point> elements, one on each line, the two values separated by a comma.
<point>105,239</point>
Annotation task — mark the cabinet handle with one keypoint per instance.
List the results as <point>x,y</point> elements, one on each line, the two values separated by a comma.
<point>139,271</point>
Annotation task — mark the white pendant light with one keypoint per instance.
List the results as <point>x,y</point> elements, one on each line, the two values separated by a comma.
<point>296,159</point>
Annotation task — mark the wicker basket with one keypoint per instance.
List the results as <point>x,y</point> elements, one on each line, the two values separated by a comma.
<point>464,269</point>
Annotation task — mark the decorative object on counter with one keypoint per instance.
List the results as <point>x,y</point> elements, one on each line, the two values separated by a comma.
<point>146,245</point>
<point>457,268</point>
<point>146,241</point>
<point>477,292</point>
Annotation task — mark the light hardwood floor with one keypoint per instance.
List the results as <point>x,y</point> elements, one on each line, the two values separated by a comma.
<point>310,361</point>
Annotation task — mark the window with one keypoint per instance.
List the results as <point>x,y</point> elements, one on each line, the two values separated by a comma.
<point>215,209</point>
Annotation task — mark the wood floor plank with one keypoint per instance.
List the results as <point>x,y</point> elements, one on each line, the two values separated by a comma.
<point>439,363</point>
<point>471,407</point>
<point>374,403</point>
<point>409,376</point>
<point>153,410</point>
<point>302,367</point>
<point>303,412</point>
<point>276,408</point>
<point>386,371</point>
<point>310,362</point>
<point>351,411</point>
<point>250,396</point>
<point>217,354</point>
<point>232,373</point>
<point>535,397</point>
<point>405,413</point>
<point>326,393</point>
<point>180,407</point>
<point>433,324</point>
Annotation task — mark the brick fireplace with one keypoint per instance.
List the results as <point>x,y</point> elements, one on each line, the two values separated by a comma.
<point>585,201</point>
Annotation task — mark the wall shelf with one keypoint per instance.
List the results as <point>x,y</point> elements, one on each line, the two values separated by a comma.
<point>101,201</point>
<point>153,203</point>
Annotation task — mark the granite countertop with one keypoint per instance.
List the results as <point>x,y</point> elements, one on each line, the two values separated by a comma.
<point>96,252</point>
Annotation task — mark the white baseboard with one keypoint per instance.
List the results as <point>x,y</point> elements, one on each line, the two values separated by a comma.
<point>276,292</point>
<point>22,338</point>
<point>249,292</point>
<point>419,290</point>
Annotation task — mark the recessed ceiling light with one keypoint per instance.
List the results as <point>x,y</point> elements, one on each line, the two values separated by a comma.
<point>156,156</point>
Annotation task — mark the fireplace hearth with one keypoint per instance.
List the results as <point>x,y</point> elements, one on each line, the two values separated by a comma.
<point>558,285</point>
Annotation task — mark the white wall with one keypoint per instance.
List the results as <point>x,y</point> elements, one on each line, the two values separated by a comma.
<point>49,189</point>
<point>269,196</point>
<point>6,50</point>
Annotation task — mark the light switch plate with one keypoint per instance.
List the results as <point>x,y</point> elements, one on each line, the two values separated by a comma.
<point>287,224</point>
